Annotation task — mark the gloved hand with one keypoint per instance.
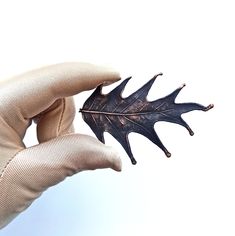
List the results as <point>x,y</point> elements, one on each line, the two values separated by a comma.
<point>44,95</point>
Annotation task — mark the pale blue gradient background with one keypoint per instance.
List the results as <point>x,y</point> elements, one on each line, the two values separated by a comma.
<point>191,42</point>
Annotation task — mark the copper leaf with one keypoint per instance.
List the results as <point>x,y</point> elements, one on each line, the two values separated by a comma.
<point>120,116</point>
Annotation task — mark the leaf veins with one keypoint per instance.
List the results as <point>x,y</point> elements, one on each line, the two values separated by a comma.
<point>120,116</point>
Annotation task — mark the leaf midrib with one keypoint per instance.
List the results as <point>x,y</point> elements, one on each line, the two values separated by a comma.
<point>122,114</point>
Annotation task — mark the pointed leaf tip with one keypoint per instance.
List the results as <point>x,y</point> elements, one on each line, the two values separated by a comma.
<point>155,76</point>
<point>208,107</point>
<point>133,161</point>
<point>142,92</point>
<point>119,89</point>
<point>168,154</point>
<point>191,133</point>
<point>98,90</point>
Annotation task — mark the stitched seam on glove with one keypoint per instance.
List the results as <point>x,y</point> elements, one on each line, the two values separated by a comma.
<point>7,164</point>
<point>61,116</point>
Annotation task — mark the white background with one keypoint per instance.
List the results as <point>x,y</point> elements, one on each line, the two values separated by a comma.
<point>191,42</point>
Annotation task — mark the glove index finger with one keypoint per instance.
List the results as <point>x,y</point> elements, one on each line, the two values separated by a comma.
<point>33,92</point>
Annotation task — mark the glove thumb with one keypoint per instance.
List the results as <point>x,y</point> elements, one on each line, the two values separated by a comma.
<point>35,169</point>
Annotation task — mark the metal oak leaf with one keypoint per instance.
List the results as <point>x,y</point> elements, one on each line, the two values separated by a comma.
<point>120,116</point>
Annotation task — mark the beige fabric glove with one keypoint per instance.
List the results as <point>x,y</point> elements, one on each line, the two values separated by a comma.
<point>44,95</point>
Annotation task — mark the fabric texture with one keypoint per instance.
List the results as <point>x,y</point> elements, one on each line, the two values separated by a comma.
<point>45,97</point>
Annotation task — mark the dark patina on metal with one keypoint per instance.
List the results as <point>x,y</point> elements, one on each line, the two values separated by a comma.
<point>120,116</point>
